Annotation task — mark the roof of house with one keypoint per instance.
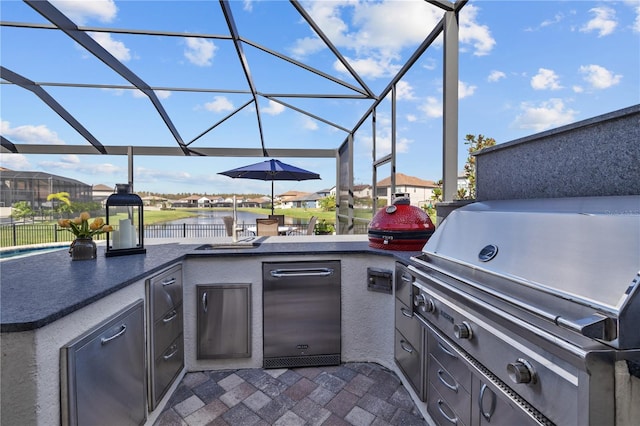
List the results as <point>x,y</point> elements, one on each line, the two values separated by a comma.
<point>102,187</point>
<point>404,180</point>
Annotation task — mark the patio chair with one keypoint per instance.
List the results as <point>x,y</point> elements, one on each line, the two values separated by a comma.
<point>266,227</point>
<point>312,225</point>
<point>279,217</point>
<point>228,225</point>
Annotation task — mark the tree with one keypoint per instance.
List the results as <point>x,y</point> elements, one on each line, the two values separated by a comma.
<point>475,144</point>
<point>328,204</point>
<point>21,210</point>
<point>64,198</point>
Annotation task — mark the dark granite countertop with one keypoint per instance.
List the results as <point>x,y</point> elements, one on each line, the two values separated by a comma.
<point>40,289</point>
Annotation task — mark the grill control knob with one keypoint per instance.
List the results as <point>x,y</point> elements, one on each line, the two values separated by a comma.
<point>419,299</point>
<point>462,330</point>
<point>429,306</point>
<point>521,372</point>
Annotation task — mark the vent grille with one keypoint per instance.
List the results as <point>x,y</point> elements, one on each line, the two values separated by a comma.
<point>302,361</point>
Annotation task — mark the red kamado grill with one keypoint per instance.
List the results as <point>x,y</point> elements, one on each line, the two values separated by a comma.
<point>400,226</point>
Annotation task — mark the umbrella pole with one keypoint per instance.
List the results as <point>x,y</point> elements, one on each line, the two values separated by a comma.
<point>272,200</point>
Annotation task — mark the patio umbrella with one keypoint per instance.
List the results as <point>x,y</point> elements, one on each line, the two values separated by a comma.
<point>271,170</point>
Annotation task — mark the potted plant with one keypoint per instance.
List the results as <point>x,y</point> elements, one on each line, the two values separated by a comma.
<point>323,228</point>
<point>83,247</point>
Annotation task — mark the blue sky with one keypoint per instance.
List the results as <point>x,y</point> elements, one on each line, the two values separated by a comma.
<point>525,67</point>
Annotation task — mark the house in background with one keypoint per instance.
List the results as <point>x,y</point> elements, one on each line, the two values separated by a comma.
<point>420,191</point>
<point>101,192</point>
<point>34,187</point>
<point>304,201</point>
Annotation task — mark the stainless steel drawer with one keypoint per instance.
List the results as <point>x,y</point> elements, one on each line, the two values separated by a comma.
<point>165,291</point>
<point>410,360</point>
<point>441,412</point>
<point>403,284</point>
<point>167,366</point>
<point>166,329</point>
<point>453,393</point>
<point>407,324</point>
<point>448,358</point>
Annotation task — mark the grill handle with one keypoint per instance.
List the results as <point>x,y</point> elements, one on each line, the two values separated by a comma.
<point>595,326</point>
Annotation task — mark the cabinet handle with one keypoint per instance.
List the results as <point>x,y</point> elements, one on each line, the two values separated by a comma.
<point>492,407</point>
<point>204,301</point>
<point>170,316</point>
<point>453,420</point>
<point>175,351</point>
<point>319,272</point>
<point>447,351</point>
<point>406,349</point>
<point>406,313</point>
<point>405,278</point>
<point>453,387</point>
<point>106,340</point>
<point>169,281</point>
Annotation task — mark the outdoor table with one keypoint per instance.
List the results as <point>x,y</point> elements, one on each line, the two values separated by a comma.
<point>282,230</point>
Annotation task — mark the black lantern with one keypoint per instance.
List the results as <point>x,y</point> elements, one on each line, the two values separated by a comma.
<point>124,214</point>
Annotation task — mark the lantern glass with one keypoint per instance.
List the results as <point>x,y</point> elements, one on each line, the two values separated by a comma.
<point>125,215</point>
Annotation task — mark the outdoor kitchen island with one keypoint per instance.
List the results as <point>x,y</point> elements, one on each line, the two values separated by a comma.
<point>49,300</point>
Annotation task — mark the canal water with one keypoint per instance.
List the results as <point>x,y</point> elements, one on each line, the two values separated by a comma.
<point>215,217</point>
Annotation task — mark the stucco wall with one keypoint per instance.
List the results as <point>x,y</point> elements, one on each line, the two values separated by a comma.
<point>595,157</point>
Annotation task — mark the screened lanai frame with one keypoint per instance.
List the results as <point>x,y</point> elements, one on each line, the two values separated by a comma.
<point>343,154</point>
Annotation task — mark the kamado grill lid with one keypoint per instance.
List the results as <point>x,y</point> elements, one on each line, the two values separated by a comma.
<point>400,226</point>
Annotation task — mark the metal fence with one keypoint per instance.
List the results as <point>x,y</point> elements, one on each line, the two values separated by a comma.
<point>24,234</point>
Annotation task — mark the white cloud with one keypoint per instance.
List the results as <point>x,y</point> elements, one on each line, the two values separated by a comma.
<point>411,118</point>
<point>116,48</point>
<point>30,134</point>
<point>219,104</point>
<point>432,107</point>
<point>309,124</point>
<point>370,67</point>
<point>604,21</point>
<point>72,162</point>
<point>496,76</point>
<point>599,77</point>
<point>546,115</point>
<point>404,91</point>
<point>199,51</point>
<point>82,11</point>
<point>273,108</point>
<point>15,162</point>
<point>577,89</point>
<point>369,31</point>
<point>473,33</point>
<point>161,175</point>
<point>465,90</point>
<point>636,9</point>
<point>162,94</point>
<point>545,80</point>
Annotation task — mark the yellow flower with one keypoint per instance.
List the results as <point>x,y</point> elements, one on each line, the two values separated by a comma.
<point>80,227</point>
<point>96,224</point>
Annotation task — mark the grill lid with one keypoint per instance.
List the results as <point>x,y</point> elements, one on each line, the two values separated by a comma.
<point>582,251</point>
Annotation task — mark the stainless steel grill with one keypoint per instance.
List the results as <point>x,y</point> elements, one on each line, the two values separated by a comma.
<point>539,299</point>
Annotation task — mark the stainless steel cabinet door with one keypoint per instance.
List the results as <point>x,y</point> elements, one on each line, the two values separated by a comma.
<point>103,373</point>
<point>224,321</point>
<point>301,308</point>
